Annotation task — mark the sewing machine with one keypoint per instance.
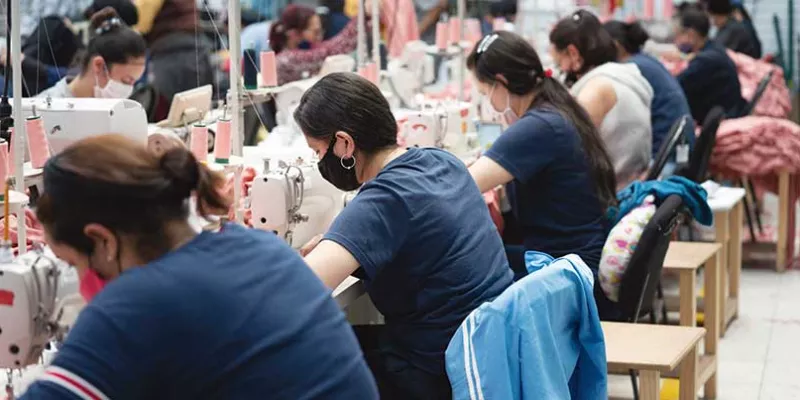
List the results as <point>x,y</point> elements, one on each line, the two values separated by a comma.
<point>36,291</point>
<point>291,198</point>
<point>71,119</point>
<point>443,124</point>
<point>408,74</point>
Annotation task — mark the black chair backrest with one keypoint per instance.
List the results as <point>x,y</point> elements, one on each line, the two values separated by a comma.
<point>760,89</point>
<point>640,281</point>
<point>668,147</point>
<point>701,154</point>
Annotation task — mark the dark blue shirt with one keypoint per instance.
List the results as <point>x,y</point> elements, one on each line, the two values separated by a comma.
<point>738,37</point>
<point>423,235</point>
<point>669,103</point>
<point>711,80</point>
<point>230,315</point>
<point>552,196</point>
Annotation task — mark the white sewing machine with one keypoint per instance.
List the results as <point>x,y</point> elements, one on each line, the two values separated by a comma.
<point>36,291</point>
<point>292,199</point>
<point>408,74</point>
<point>71,119</point>
<point>444,124</point>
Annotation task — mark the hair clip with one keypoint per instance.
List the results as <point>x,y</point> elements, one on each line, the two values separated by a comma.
<point>108,25</point>
<point>576,16</point>
<point>486,42</point>
<point>548,73</point>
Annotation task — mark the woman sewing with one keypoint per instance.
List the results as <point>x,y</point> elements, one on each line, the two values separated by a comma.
<point>419,229</point>
<point>296,38</point>
<point>616,96</point>
<point>558,177</point>
<point>233,314</point>
<point>113,62</point>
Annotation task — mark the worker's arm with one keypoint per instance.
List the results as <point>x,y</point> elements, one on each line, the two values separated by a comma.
<point>331,262</point>
<point>147,9</point>
<point>488,174</point>
<point>597,98</point>
<point>368,233</point>
<point>432,16</point>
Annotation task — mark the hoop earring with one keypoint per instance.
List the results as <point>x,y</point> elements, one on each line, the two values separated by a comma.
<point>347,167</point>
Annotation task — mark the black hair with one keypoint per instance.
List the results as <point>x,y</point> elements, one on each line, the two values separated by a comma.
<point>117,182</point>
<point>719,7</point>
<point>510,56</point>
<point>631,36</point>
<point>113,40</point>
<point>686,6</point>
<point>583,30</point>
<point>125,9</point>
<point>349,103</point>
<point>695,20</point>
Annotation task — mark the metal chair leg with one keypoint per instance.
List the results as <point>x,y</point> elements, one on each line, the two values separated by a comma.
<point>749,217</point>
<point>663,304</point>
<point>635,385</point>
<point>756,208</point>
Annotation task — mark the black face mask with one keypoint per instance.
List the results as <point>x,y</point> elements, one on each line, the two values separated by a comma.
<point>333,170</point>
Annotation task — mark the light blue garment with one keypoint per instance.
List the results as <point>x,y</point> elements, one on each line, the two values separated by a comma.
<point>540,339</point>
<point>694,197</point>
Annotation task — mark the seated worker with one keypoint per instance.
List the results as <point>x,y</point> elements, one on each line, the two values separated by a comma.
<point>419,230</point>
<point>113,61</point>
<point>558,176</point>
<point>335,20</point>
<point>296,38</point>
<point>669,103</point>
<point>711,78</point>
<point>740,14</point>
<point>233,314</point>
<point>616,96</point>
<point>731,33</point>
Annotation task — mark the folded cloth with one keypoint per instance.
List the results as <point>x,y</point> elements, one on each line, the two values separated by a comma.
<point>693,195</point>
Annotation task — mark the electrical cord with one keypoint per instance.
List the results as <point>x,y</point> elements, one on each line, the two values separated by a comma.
<point>5,107</point>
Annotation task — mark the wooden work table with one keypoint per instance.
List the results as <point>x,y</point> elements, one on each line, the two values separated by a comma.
<point>654,350</point>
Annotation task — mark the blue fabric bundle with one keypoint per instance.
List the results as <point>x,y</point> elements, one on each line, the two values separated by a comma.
<point>694,197</point>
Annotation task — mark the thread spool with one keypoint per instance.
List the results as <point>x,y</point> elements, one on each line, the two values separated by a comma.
<point>269,69</point>
<point>669,8</point>
<point>649,9</point>
<point>372,72</point>
<point>455,30</point>
<point>499,24</point>
<point>38,149</point>
<point>199,142</point>
<point>4,160</point>
<point>250,69</point>
<point>441,35</point>
<point>222,142</point>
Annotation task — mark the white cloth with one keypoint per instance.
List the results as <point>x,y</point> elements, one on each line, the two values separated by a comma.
<point>626,129</point>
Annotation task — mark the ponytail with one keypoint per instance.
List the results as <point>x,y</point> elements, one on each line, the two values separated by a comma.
<point>631,36</point>
<point>188,175</point>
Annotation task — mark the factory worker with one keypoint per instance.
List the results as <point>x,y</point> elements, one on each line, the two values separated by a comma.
<point>419,230</point>
<point>616,96</point>
<point>558,176</point>
<point>233,314</point>
<point>114,60</point>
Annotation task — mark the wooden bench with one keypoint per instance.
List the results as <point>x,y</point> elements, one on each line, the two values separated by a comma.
<point>654,350</point>
<point>685,259</point>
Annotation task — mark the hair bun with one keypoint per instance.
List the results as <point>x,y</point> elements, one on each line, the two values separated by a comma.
<point>105,16</point>
<point>181,167</point>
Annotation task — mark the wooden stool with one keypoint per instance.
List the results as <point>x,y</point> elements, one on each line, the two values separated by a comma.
<point>728,206</point>
<point>654,350</point>
<point>686,258</point>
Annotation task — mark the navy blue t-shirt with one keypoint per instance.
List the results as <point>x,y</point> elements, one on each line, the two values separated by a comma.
<point>421,231</point>
<point>230,315</point>
<point>552,196</point>
<point>711,80</point>
<point>669,103</point>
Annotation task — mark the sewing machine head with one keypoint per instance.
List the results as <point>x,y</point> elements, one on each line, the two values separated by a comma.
<point>68,120</point>
<point>293,200</point>
<point>31,306</point>
<point>443,124</point>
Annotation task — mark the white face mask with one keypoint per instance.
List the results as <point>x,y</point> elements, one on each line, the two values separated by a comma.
<point>507,116</point>
<point>113,89</point>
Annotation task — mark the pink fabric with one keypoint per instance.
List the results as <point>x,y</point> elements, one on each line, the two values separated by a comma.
<point>292,63</point>
<point>760,148</point>
<point>400,20</point>
<point>33,234</point>
<point>774,103</point>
